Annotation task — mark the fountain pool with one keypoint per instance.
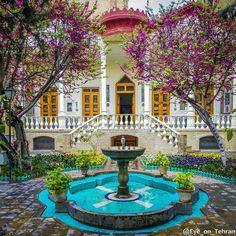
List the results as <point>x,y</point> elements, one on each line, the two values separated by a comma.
<point>90,208</point>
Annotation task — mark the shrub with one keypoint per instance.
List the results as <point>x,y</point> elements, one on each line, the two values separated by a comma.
<point>57,181</point>
<point>162,159</point>
<point>184,181</point>
<point>84,159</point>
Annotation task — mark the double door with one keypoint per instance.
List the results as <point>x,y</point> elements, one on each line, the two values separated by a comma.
<point>49,104</point>
<point>160,103</point>
<point>91,102</point>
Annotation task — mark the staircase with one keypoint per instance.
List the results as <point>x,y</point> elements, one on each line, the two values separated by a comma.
<point>152,133</point>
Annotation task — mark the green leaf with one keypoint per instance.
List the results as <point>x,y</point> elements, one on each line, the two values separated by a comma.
<point>229,133</point>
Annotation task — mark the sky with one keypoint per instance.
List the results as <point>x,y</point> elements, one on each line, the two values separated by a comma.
<point>154,4</point>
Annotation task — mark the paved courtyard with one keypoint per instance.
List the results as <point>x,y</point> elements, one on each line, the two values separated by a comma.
<point>20,210</point>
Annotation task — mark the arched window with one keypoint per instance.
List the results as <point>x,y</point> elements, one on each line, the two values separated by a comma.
<point>208,143</point>
<point>130,140</point>
<point>43,143</point>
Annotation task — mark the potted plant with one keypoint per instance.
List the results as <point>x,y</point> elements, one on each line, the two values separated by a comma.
<point>163,162</point>
<point>185,186</point>
<point>83,161</point>
<point>57,183</point>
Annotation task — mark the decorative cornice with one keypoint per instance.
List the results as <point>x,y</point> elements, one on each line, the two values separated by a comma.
<point>122,20</point>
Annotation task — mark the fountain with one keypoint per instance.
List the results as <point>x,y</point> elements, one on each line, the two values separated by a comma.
<point>141,203</point>
<point>123,156</point>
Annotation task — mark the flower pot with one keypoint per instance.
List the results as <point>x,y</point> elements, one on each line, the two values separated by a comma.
<point>185,195</point>
<point>163,170</point>
<point>84,170</point>
<point>59,196</point>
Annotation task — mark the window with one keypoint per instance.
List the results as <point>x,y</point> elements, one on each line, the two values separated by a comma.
<point>208,143</point>
<point>226,103</point>
<point>43,143</point>
<point>108,95</point>
<point>69,107</point>
<point>182,106</point>
<point>49,104</point>
<point>142,93</point>
<point>205,101</point>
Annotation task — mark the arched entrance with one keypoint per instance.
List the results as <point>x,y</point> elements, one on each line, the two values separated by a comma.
<point>130,140</point>
<point>125,96</point>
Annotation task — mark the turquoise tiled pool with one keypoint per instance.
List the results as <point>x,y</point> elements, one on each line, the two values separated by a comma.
<point>89,194</point>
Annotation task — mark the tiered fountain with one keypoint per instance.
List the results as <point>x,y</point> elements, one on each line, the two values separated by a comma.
<point>140,203</point>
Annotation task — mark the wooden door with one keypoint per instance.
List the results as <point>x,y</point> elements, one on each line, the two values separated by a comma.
<point>49,104</point>
<point>91,102</point>
<point>125,86</point>
<point>160,103</point>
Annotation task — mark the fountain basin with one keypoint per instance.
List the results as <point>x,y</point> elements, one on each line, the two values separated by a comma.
<point>158,198</point>
<point>119,154</point>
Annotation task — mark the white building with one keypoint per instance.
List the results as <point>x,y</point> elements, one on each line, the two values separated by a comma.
<point>117,105</point>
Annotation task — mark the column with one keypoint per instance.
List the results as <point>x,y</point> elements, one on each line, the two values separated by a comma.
<point>233,115</point>
<point>190,115</point>
<point>103,79</point>
<point>146,99</point>
<point>61,110</point>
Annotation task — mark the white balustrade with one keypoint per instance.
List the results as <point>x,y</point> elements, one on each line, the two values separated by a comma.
<point>123,121</point>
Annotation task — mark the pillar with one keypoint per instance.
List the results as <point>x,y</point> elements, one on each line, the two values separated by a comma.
<point>61,110</point>
<point>233,120</point>
<point>103,79</point>
<point>190,115</point>
<point>146,99</point>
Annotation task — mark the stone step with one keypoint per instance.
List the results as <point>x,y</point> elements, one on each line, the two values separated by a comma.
<point>146,139</point>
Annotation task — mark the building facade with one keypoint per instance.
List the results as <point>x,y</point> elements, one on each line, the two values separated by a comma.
<point>116,105</point>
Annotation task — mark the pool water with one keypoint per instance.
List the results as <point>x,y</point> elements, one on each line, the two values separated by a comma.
<point>154,194</point>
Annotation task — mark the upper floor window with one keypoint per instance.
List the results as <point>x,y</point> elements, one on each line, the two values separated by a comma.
<point>69,107</point>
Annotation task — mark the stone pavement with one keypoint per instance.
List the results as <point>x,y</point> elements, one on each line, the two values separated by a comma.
<point>20,210</point>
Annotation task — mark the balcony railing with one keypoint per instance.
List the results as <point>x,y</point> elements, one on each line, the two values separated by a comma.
<point>124,121</point>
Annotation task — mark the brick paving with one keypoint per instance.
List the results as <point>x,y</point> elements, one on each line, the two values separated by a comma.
<point>20,210</point>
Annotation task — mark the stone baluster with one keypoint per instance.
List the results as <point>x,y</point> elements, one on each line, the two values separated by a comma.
<point>36,123</point>
<point>176,142</point>
<point>228,121</point>
<point>116,117</point>
<point>202,124</point>
<point>26,123</point>
<point>178,122</point>
<point>73,122</point>
<point>126,122</point>
<point>152,127</point>
<point>137,118</point>
<point>158,129</point>
<point>173,122</point>
<point>164,134</point>
<point>197,122</point>
<point>170,139</point>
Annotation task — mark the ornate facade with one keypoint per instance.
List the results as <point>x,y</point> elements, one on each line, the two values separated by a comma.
<point>117,105</point>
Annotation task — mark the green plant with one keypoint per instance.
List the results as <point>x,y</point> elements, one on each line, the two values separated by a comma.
<point>84,158</point>
<point>184,180</point>
<point>162,159</point>
<point>56,181</point>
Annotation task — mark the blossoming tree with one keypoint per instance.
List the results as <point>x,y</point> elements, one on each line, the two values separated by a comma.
<point>44,44</point>
<point>187,51</point>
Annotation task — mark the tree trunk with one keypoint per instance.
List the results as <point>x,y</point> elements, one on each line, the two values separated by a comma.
<point>21,142</point>
<point>208,121</point>
<point>9,147</point>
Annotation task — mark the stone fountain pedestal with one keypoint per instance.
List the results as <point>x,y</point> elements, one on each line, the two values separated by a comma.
<point>123,155</point>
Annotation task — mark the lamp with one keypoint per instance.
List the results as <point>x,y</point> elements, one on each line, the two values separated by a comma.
<point>9,92</point>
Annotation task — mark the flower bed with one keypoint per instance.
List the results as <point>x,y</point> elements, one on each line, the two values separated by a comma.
<point>199,164</point>
<point>44,163</point>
